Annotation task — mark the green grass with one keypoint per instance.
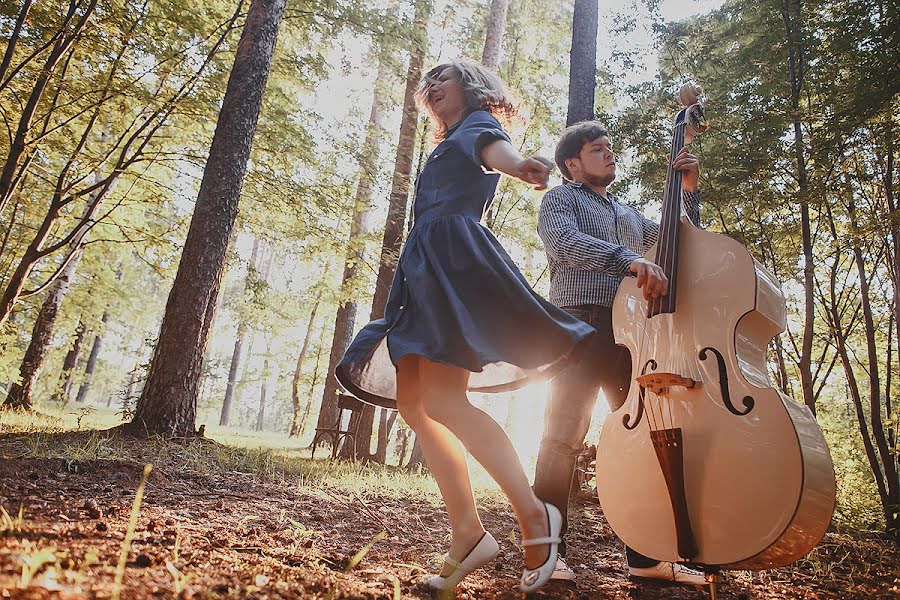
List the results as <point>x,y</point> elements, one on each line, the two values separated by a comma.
<point>77,435</point>
<point>56,418</point>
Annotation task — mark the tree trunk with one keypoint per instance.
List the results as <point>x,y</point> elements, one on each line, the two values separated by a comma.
<point>92,360</point>
<point>263,389</point>
<point>205,375</point>
<point>383,434</point>
<point>490,58</point>
<point>396,217</point>
<point>583,62</point>
<point>346,314</point>
<point>894,253</point>
<point>839,331</point>
<point>128,149</point>
<point>133,378</point>
<point>403,434</point>
<point>417,458</point>
<point>168,404</point>
<point>312,387</point>
<point>225,414</point>
<point>13,39</point>
<point>784,383</point>
<point>888,411</point>
<point>493,37</point>
<point>295,382</point>
<point>892,502</point>
<point>20,393</point>
<point>64,394</point>
<point>796,72</point>
<point>385,425</point>
<point>343,333</point>
<point>264,379</point>
<point>853,389</point>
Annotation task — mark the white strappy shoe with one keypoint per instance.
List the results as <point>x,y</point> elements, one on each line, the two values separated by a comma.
<point>532,579</point>
<point>482,553</point>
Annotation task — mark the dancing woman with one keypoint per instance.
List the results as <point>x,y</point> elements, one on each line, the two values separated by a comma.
<point>460,316</point>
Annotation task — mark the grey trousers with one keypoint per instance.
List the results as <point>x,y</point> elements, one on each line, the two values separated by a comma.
<point>573,395</point>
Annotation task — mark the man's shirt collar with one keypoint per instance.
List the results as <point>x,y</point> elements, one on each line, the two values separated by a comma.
<point>610,197</point>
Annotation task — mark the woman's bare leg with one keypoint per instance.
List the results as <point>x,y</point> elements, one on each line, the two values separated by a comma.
<point>443,392</point>
<point>445,458</point>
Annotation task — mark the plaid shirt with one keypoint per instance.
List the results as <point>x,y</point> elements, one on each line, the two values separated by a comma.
<point>591,241</point>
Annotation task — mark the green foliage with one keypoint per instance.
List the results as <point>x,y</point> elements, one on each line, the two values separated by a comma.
<point>857,506</point>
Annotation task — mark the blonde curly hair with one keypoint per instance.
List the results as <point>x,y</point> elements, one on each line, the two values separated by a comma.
<point>481,88</point>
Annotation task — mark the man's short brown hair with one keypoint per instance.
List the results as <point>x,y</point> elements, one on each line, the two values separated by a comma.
<point>573,140</point>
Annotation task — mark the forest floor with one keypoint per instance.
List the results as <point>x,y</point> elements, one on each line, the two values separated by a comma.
<point>218,521</point>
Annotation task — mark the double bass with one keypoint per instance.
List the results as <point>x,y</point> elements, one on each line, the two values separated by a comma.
<point>706,461</point>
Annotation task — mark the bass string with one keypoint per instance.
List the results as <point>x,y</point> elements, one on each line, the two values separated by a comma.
<point>671,224</point>
<point>672,208</point>
<point>641,360</point>
<point>665,242</point>
<point>643,397</point>
<point>674,222</point>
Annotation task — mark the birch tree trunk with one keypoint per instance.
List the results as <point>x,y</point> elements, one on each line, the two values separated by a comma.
<point>264,388</point>
<point>20,393</point>
<point>64,393</point>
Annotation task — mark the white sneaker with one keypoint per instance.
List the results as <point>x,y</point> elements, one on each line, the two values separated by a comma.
<point>562,571</point>
<point>667,571</point>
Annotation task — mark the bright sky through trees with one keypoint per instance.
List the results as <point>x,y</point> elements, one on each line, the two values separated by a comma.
<point>348,91</point>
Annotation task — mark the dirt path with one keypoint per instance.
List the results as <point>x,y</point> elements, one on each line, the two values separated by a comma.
<point>238,535</point>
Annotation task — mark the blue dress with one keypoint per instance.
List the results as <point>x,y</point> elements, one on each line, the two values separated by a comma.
<point>457,297</point>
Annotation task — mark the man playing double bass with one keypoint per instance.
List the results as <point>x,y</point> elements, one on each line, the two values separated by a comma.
<point>592,242</point>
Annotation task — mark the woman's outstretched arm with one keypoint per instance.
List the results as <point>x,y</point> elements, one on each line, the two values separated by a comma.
<point>500,156</point>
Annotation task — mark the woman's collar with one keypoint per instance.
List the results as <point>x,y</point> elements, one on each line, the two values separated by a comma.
<point>456,125</point>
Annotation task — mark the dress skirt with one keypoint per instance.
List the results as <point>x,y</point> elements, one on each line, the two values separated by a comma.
<point>458,298</point>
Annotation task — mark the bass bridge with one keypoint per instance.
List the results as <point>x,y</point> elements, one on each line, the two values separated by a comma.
<point>661,383</point>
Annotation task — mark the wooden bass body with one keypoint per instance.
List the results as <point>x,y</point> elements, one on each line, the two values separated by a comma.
<point>757,485</point>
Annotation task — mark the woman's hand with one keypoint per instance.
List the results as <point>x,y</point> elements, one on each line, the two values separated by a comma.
<point>534,170</point>
<point>499,155</point>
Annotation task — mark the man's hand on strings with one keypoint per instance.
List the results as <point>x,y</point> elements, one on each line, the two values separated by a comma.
<point>650,278</point>
<point>689,165</point>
